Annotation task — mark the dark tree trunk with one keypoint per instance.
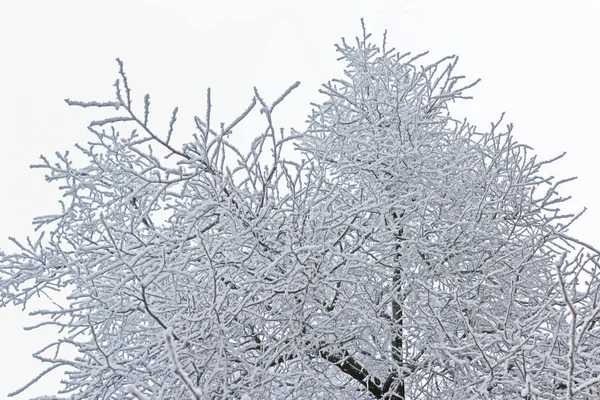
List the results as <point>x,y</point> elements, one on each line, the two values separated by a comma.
<point>397,391</point>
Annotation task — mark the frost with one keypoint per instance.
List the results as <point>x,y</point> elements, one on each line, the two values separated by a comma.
<point>393,253</point>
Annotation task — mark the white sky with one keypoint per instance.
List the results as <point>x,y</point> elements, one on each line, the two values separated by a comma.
<point>538,61</point>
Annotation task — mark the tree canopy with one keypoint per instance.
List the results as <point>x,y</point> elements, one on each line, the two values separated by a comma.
<point>388,251</point>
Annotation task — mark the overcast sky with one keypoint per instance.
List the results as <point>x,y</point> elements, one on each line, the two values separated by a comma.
<point>538,61</point>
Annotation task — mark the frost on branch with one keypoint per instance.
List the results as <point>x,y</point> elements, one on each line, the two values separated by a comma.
<point>407,255</point>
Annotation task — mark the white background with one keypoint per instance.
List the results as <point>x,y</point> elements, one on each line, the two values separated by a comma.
<point>538,61</point>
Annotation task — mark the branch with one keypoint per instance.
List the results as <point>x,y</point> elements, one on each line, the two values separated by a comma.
<point>34,380</point>
<point>144,299</point>
<point>169,336</point>
<point>85,104</point>
<point>573,323</point>
<point>348,365</point>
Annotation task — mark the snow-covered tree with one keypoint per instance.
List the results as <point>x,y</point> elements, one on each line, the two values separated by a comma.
<point>388,251</point>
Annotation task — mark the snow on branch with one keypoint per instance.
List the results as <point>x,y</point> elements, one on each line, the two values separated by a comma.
<point>387,251</point>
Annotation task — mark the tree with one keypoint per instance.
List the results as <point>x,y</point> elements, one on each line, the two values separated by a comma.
<point>389,251</point>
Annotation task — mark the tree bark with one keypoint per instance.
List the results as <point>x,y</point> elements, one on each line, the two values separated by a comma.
<point>398,387</point>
